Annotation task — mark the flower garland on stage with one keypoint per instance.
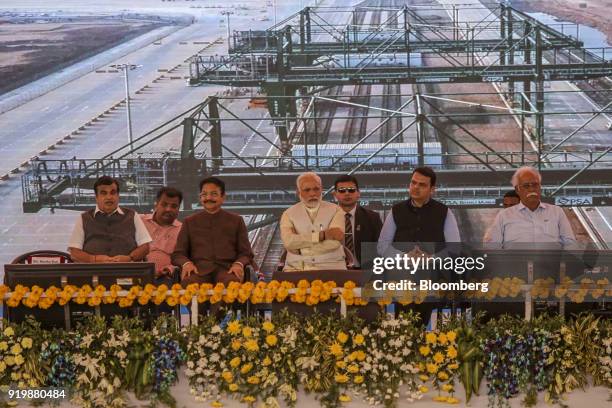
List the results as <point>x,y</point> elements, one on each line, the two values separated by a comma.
<point>309,293</point>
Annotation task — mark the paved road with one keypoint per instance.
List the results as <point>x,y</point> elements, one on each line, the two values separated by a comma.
<point>30,128</point>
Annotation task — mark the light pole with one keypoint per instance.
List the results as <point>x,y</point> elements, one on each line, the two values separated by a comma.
<point>228,13</point>
<point>274,5</point>
<point>126,68</point>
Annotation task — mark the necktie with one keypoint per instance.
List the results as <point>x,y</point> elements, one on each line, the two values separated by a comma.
<point>348,233</point>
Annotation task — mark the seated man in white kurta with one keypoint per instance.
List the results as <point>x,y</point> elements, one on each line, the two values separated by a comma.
<point>312,230</point>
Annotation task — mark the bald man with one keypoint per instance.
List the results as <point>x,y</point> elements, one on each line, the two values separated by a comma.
<point>312,230</point>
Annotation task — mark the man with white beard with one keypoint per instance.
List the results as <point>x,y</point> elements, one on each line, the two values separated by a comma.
<point>312,230</point>
<point>531,221</point>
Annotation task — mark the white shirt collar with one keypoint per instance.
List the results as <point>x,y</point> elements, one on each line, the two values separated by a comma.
<point>352,212</point>
<point>520,206</point>
<point>117,210</point>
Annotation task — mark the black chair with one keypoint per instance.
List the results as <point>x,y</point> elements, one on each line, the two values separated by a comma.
<point>43,256</point>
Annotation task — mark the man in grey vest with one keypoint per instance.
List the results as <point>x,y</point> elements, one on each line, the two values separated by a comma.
<point>312,230</point>
<point>108,233</point>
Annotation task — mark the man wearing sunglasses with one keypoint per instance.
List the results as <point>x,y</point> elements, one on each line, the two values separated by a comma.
<point>360,224</point>
<point>530,221</point>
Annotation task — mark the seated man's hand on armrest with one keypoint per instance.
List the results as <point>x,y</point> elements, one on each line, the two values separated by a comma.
<point>188,269</point>
<point>237,269</point>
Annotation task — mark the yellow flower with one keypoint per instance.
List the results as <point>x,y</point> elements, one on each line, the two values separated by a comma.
<point>10,360</point>
<point>26,343</point>
<point>361,355</point>
<point>359,339</point>
<point>451,335</point>
<point>335,349</point>
<point>424,377</point>
<point>432,368</point>
<point>344,398</point>
<point>216,404</point>
<point>16,349</point>
<point>341,378</point>
<point>15,376</point>
<point>247,332</point>
<point>251,345</point>
<point>8,332</point>
<point>353,369</point>
<point>430,338</point>
<point>423,389</point>
<point>271,340</point>
<point>235,362</point>
<point>342,337</point>
<point>227,376</point>
<point>442,338</point>
<point>447,387</point>
<point>267,326</point>
<point>246,368</point>
<point>19,359</point>
<point>3,346</point>
<point>248,399</point>
<point>358,379</point>
<point>440,398</point>
<point>233,327</point>
<point>266,361</point>
<point>443,376</point>
<point>253,379</point>
<point>438,358</point>
<point>233,387</point>
<point>452,400</point>
<point>453,366</point>
<point>340,364</point>
<point>451,352</point>
<point>236,344</point>
<point>2,366</point>
<point>424,350</point>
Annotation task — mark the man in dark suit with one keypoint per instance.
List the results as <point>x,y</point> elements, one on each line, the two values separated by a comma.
<point>361,224</point>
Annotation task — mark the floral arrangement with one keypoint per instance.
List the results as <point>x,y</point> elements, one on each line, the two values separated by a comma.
<point>441,365</point>
<point>265,362</point>
<point>247,360</point>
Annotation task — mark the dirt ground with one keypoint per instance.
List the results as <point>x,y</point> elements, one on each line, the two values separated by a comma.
<point>29,51</point>
<point>596,14</point>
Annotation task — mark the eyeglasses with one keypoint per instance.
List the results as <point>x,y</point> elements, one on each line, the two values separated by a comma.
<point>525,186</point>
<point>346,190</point>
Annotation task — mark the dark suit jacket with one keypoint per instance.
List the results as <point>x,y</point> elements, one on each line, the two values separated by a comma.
<point>367,229</point>
<point>213,241</point>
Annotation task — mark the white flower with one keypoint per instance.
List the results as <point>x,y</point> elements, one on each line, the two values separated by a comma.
<point>121,354</point>
<point>190,364</point>
<point>214,357</point>
<point>216,329</point>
